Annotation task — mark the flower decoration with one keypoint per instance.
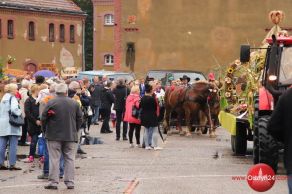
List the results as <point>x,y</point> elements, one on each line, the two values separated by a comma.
<point>276,16</point>
<point>10,59</point>
<point>228,80</point>
<point>5,78</point>
<point>237,62</point>
<point>227,94</point>
<point>229,89</point>
<point>230,70</point>
<point>283,33</point>
<point>51,113</point>
<point>47,98</point>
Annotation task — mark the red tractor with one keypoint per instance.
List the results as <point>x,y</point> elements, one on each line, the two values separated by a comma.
<point>276,78</point>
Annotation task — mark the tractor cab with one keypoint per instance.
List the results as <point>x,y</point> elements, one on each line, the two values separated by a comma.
<point>279,66</point>
<point>277,74</point>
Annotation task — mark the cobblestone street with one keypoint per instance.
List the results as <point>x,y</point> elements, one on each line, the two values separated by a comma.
<point>185,165</point>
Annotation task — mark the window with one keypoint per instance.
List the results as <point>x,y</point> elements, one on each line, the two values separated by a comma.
<point>62,33</point>
<point>31,31</point>
<point>109,20</point>
<point>10,30</point>
<point>108,59</point>
<point>72,33</point>
<point>0,28</point>
<point>51,32</point>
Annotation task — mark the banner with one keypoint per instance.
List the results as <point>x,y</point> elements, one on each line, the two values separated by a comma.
<point>15,72</point>
<point>48,66</point>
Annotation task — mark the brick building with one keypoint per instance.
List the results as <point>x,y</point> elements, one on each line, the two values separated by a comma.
<point>138,35</point>
<point>42,32</point>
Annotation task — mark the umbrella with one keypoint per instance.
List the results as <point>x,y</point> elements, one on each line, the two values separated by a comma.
<point>10,76</point>
<point>45,73</point>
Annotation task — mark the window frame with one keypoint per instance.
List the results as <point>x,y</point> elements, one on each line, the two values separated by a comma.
<point>109,19</point>
<point>51,37</point>
<point>109,61</point>
<point>31,30</point>
<point>9,35</point>
<point>72,36</point>
<point>62,34</point>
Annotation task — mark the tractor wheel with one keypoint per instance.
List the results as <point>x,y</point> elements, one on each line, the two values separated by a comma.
<point>256,132</point>
<point>268,146</point>
<point>240,140</point>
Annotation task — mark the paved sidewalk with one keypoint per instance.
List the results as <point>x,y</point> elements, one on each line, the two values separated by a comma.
<point>186,165</point>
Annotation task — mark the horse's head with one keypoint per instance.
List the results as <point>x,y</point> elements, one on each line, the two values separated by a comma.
<point>213,99</point>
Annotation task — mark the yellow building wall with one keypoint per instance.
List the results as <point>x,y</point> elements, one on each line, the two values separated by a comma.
<point>41,50</point>
<point>103,36</point>
<point>193,34</point>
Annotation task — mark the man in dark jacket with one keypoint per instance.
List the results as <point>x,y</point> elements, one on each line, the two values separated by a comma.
<point>280,127</point>
<point>61,118</point>
<point>120,92</point>
<point>142,87</point>
<point>95,90</point>
<point>107,99</point>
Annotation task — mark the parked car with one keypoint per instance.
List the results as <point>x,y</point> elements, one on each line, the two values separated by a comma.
<point>112,75</point>
<point>166,76</point>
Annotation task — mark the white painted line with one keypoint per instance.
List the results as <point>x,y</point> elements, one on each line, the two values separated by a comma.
<point>14,186</point>
<point>45,183</point>
<point>191,176</point>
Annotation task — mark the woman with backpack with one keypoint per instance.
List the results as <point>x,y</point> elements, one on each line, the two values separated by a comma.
<point>132,103</point>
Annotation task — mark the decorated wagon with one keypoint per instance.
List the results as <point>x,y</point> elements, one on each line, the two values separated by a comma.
<point>251,88</point>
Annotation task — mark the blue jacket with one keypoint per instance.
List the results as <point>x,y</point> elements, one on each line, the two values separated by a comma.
<point>5,127</point>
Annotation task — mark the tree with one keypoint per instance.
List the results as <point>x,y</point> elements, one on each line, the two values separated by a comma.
<point>87,6</point>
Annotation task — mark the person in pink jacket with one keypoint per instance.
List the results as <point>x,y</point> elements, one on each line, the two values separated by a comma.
<point>135,124</point>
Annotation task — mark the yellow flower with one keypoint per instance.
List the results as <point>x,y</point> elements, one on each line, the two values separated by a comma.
<point>230,70</point>
<point>229,89</point>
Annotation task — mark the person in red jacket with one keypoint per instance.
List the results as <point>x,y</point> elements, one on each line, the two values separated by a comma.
<point>266,100</point>
<point>135,124</point>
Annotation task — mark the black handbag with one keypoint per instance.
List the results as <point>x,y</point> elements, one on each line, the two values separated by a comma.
<point>135,112</point>
<point>15,120</point>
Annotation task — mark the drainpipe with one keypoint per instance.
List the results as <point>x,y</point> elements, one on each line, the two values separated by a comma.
<point>83,45</point>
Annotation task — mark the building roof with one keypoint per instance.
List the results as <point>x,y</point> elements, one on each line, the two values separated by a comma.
<point>57,6</point>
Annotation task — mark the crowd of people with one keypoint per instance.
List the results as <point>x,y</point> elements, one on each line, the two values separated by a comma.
<point>58,112</point>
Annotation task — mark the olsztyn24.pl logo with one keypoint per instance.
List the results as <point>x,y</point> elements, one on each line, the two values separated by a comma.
<point>261,177</point>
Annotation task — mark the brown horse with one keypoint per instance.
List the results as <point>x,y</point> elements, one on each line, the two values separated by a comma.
<point>188,102</point>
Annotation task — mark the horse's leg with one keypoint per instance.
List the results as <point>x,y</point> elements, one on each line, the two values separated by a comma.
<point>179,121</point>
<point>188,120</point>
<point>167,121</point>
<point>198,122</point>
<point>203,122</point>
<point>210,121</point>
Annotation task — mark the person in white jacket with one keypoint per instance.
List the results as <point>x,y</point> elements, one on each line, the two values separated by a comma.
<point>7,131</point>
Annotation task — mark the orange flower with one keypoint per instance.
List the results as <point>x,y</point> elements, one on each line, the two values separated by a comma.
<point>47,98</point>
